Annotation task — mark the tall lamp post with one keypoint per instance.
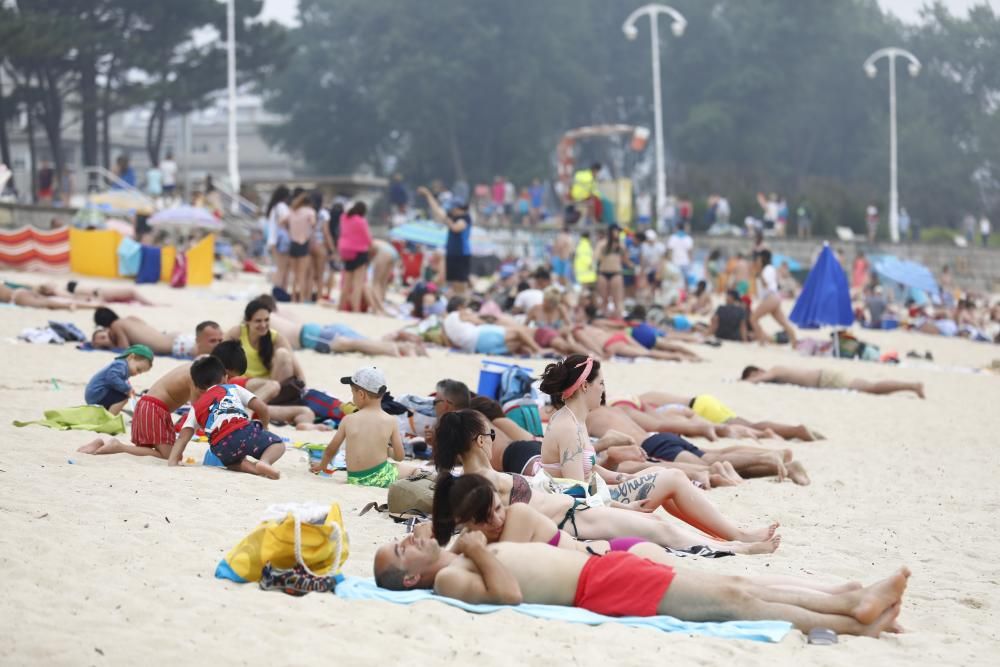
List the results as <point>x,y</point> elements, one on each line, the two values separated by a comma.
<point>678,24</point>
<point>234,149</point>
<point>891,53</point>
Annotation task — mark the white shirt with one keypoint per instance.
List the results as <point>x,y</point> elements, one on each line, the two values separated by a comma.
<point>528,299</point>
<point>651,253</point>
<point>680,246</point>
<point>462,334</point>
<point>644,206</point>
<point>767,283</point>
<point>984,225</point>
<point>279,211</point>
<point>169,170</point>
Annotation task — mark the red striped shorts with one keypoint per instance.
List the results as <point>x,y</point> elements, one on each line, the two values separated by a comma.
<point>152,424</point>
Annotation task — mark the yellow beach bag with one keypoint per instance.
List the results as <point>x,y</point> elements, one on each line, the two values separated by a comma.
<point>307,534</point>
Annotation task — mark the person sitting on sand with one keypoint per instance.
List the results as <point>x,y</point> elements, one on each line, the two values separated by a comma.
<point>339,338</point>
<point>153,432</point>
<point>269,354</point>
<point>114,332</point>
<point>23,295</point>
<point>368,431</point>
<point>730,319</point>
<point>471,503</point>
<point>467,332</point>
<point>723,466</point>
<point>110,387</point>
<point>464,438</point>
<point>624,584</point>
<point>653,410</point>
<point>827,379</point>
<point>223,411</point>
<point>96,295</point>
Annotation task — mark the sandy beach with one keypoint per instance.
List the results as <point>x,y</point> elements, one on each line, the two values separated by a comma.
<point>110,560</point>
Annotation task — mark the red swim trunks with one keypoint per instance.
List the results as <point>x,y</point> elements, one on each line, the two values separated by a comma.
<point>622,584</point>
<point>617,337</point>
<point>151,423</point>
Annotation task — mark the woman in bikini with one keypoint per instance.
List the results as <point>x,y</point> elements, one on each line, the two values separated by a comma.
<point>611,260</point>
<point>21,295</point>
<point>472,503</point>
<point>576,387</point>
<point>768,299</point>
<point>551,321</point>
<point>465,438</point>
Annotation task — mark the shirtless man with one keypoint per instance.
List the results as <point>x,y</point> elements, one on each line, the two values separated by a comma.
<point>116,332</point>
<point>826,379</point>
<point>623,584</point>
<point>336,337</point>
<point>713,467</point>
<point>562,256</point>
<point>153,431</point>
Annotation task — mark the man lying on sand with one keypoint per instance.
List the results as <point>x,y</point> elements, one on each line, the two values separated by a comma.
<point>826,379</point>
<point>153,432</point>
<point>116,332</point>
<point>623,584</point>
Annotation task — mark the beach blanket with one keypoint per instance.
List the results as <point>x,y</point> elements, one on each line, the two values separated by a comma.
<point>88,347</point>
<point>357,588</point>
<point>84,418</point>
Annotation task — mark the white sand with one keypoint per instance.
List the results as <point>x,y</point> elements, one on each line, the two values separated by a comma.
<point>94,573</point>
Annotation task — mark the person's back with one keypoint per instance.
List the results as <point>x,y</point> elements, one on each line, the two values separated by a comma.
<point>462,334</point>
<point>301,223</point>
<point>368,432</point>
<point>355,236</point>
<point>730,317</point>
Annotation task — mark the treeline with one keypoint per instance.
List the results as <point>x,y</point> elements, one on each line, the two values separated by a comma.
<point>759,95</point>
<point>95,58</point>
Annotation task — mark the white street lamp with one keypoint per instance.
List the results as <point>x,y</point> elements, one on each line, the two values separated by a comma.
<point>631,32</point>
<point>234,149</point>
<point>891,53</point>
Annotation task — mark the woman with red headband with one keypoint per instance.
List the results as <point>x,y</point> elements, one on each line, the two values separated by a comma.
<point>577,387</point>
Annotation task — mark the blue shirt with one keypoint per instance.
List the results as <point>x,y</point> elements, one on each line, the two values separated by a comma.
<point>537,193</point>
<point>112,377</point>
<point>460,243</point>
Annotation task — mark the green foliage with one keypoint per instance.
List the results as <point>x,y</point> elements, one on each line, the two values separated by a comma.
<point>938,235</point>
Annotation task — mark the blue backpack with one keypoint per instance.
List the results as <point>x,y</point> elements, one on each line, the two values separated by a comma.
<point>515,382</point>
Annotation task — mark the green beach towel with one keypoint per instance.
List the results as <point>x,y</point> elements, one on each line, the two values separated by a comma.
<point>84,418</point>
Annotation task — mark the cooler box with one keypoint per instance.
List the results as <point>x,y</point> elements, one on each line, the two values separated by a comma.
<point>489,378</point>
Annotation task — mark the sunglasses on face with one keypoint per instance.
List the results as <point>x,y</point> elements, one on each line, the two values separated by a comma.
<point>492,434</point>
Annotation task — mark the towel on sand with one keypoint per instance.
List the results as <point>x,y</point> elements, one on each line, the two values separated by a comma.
<point>356,588</point>
<point>84,418</point>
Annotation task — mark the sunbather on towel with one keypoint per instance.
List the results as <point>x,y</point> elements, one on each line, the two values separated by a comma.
<point>368,432</point>
<point>153,432</point>
<point>624,584</point>
<point>827,379</point>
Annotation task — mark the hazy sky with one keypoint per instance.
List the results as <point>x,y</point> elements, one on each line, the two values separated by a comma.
<point>908,10</point>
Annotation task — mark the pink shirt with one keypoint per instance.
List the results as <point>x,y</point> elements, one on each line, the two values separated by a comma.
<point>301,223</point>
<point>355,237</point>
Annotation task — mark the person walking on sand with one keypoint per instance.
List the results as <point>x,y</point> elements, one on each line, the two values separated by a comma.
<point>827,379</point>
<point>768,299</point>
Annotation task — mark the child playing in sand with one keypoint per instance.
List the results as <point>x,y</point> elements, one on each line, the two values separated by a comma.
<point>223,411</point>
<point>369,430</point>
<point>110,387</point>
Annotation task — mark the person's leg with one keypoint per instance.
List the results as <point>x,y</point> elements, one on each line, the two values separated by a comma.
<point>667,346</point>
<point>748,464</point>
<point>758,332</point>
<point>602,295</point>
<point>346,286</point>
<point>365,346</point>
<point>784,431</point>
<point>359,278</point>
<point>117,407</point>
<point>782,320</point>
<point>670,422</point>
<point>703,596</point>
<point>887,387</point>
<point>617,291</point>
<point>282,365</point>
<point>108,445</point>
<point>263,388</point>
<point>671,490</point>
<point>297,415</point>
<point>267,459</point>
<point>317,254</point>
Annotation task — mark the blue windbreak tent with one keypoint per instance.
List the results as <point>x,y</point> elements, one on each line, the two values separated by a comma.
<point>826,297</point>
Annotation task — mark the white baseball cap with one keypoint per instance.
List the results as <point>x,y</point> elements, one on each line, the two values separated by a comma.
<point>369,378</point>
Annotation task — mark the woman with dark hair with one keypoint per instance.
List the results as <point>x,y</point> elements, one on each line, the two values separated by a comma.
<point>318,255</point>
<point>331,232</point>
<point>277,235</point>
<point>354,246</point>
<point>301,224</point>
<point>269,355</point>
<point>611,262</point>
<point>576,387</point>
<point>465,438</point>
<point>768,298</point>
<point>471,503</point>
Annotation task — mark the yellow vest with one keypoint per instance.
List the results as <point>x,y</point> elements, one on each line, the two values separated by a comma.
<point>255,367</point>
<point>584,186</point>
<point>583,263</point>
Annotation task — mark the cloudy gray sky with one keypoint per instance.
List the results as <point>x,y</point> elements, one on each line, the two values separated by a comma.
<point>908,10</point>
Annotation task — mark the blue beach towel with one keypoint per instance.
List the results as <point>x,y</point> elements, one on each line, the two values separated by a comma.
<point>149,267</point>
<point>356,588</point>
<point>129,257</point>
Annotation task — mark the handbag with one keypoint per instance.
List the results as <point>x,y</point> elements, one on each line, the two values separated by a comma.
<point>308,535</point>
<point>413,493</point>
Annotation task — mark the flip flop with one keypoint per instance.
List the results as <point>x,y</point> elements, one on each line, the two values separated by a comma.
<point>822,636</point>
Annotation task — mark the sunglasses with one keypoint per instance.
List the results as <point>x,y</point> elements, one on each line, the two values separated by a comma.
<point>492,434</point>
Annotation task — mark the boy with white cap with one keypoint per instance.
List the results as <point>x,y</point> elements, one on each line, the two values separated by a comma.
<point>370,432</point>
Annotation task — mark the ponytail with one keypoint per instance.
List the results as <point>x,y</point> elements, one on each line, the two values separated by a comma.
<point>454,435</point>
<point>457,500</point>
<point>560,376</point>
<point>442,520</point>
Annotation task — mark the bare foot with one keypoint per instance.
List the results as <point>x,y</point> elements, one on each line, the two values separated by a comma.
<point>718,480</point>
<point>707,431</point>
<point>920,390</point>
<point>92,446</point>
<point>884,622</point>
<point>265,470</point>
<point>878,597</point>
<point>797,473</point>
<point>768,546</point>
<point>759,535</point>
<point>787,455</point>
<point>313,427</point>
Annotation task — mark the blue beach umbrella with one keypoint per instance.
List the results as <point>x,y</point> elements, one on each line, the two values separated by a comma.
<point>826,298</point>
<point>423,232</point>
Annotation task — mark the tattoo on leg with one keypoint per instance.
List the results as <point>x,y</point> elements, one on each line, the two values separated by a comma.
<point>635,489</point>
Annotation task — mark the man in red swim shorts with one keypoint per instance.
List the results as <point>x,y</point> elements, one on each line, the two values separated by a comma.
<point>623,584</point>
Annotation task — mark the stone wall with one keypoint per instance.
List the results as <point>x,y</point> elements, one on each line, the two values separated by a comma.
<point>19,215</point>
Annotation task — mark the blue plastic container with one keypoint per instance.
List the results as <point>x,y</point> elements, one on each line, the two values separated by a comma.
<point>489,378</point>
